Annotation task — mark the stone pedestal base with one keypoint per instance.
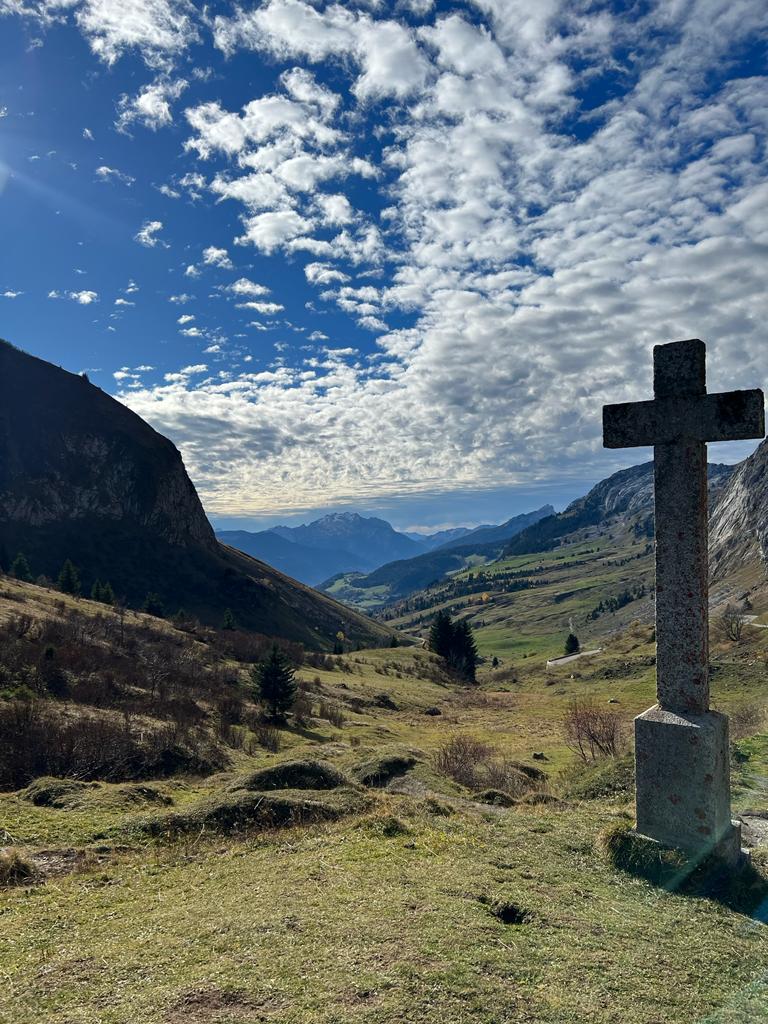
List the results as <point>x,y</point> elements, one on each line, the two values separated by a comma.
<point>683,783</point>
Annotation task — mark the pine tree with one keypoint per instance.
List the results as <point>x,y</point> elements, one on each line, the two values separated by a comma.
<point>275,684</point>
<point>153,605</point>
<point>20,568</point>
<point>572,645</point>
<point>229,620</point>
<point>97,591</point>
<point>107,594</point>
<point>466,657</point>
<point>69,580</point>
<point>441,634</point>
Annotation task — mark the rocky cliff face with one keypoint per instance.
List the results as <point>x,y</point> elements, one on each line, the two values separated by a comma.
<point>738,535</point>
<point>82,477</point>
<point>69,452</point>
<point>631,490</point>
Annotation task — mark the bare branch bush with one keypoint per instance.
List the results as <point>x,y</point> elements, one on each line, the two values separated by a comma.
<point>591,731</point>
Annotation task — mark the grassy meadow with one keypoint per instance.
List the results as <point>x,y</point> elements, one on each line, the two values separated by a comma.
<point>388,890</point>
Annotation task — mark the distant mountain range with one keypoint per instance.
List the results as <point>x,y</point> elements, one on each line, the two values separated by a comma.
<point>346,542</point>
<point>84,478</point>
<point>738,501</point>
<point>397,579</point>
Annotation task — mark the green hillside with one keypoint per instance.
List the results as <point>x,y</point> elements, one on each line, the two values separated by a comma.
<point>358,878</point>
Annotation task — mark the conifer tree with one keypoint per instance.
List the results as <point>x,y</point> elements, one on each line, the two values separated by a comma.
<point>20,568</point>
<point>441,634</point>
<point>153,605</point>
<point>465,650</point>
<point>107,594</point>
<point>572,645</point>
<point>97,591</point>
<point>275,684</point>
<point>69,580</point>
<point>229,620</point>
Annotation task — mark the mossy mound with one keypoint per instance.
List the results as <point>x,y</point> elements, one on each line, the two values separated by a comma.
<point>530,771</point>
<point>245,811</point>
<point>299,774</point>
<point>611,777</point>
<point>387,765</point>
<point>60,793</point>
<point>71,794</point>
<point>541,797</point>
<point>496,797</point>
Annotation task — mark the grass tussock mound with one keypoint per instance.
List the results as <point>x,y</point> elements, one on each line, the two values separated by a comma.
<point>298,774</point>
<point>14,869</point>
<point>246,811</point>
<point>59,793</point>
<point>495,797</point>
<point>72,794</point>
<point>390,763</point>
<point>600,780</point>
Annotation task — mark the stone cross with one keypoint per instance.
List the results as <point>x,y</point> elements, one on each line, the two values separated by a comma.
<point>681,747</point>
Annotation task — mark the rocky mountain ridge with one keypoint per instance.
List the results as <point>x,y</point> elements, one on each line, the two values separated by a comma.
<point>84,478</point>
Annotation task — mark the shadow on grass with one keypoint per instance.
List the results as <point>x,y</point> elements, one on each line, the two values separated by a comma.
<point>743,889</point>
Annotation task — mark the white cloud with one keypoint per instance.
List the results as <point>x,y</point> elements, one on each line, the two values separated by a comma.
<point>151,106</point>
<point>192,271</point>
<point>3,112</point>
<point>269,231</point>
<point>88,134</point>
<point>192,332</point>
<point>105,173</point>
<point>185,318</point>
<point>243,286</point>
<point>148,233</point>
<point>9,294</point>
<point>266,308</point>
<point>217,257</point>
<point>180,299</point>
<point>84,298</point>
<point>124,302</point>
<point>323,273</point>
<point>386,52</point>
<point>159,30</point>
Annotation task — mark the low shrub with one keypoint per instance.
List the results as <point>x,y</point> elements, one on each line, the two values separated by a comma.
<point>477,765</point>
<point>35,741</point>
<point>331,714</point>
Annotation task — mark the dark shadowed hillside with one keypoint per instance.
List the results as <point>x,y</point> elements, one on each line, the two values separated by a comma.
<point>310,565</point>
<point>82,477</point>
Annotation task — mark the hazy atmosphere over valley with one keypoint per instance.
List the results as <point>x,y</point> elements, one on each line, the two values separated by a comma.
<point>383,256</point>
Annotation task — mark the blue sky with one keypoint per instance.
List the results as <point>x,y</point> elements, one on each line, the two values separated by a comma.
<point>390,257</point>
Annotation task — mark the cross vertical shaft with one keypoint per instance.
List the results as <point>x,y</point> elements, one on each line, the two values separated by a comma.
<point>680,480</point>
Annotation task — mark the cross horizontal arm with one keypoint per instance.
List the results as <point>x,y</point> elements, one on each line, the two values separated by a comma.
<point>730,416</point>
